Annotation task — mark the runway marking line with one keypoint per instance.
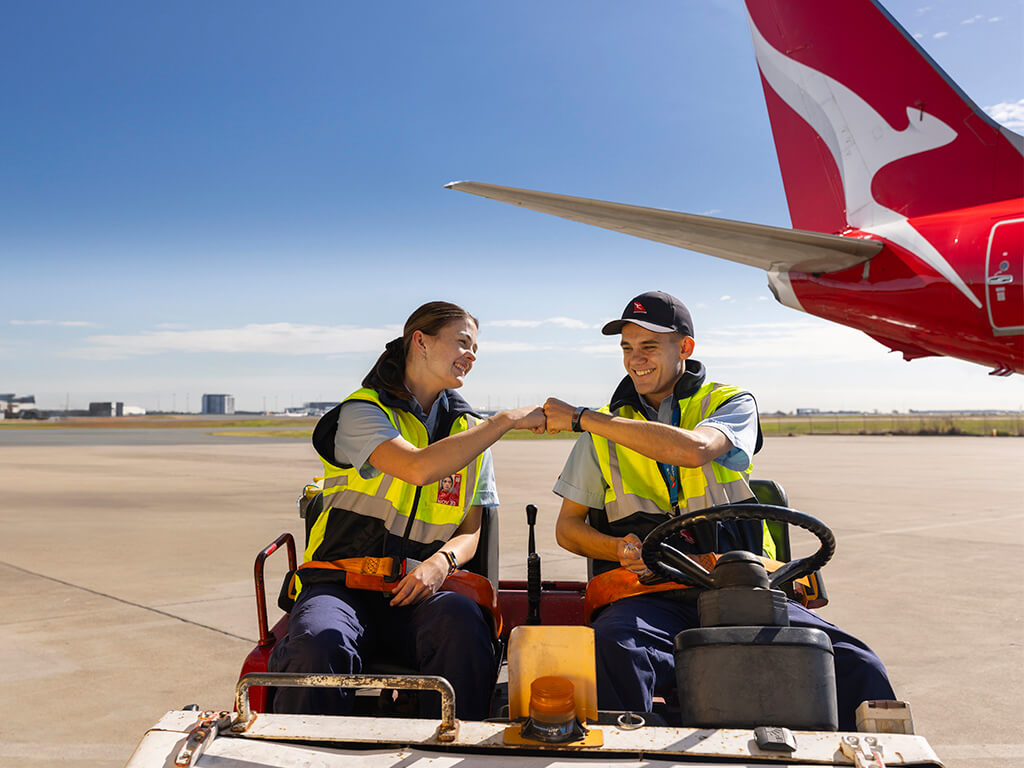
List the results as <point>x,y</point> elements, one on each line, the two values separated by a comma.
<point>933,526</point>
<point>127,602</point>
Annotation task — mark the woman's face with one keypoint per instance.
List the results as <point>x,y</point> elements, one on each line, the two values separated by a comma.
<point>451,353</point>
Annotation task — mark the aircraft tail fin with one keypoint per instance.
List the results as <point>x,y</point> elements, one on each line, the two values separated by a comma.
<point>868,129</point>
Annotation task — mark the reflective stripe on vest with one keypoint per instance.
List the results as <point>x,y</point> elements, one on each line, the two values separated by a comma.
<point>439,510</point>
<point>635,483</point>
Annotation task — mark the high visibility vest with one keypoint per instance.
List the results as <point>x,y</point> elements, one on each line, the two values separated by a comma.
<point>635,485</point>
<point>370,517</point>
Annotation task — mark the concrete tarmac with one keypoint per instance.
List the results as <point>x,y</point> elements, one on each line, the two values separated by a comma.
<point>126,575</point>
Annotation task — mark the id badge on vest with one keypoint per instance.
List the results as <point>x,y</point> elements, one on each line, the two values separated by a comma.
<point>449,489</point>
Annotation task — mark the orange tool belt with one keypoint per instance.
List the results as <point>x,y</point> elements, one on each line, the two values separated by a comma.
<point>371,573</point>
<point>618,583</point>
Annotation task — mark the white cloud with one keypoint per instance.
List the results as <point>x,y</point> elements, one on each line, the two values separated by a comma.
<point>758,342</point>
<point>939,35</point>
<point>601,350</point>
<point>918,35</point>
<point>1009,113</point>
<point>488,347</point>
<point>995,18</point>
<point>977,17</point>
<point>562,322</point>
<point>263,339</point>
<point>727,297</point>
<point>61,323</point>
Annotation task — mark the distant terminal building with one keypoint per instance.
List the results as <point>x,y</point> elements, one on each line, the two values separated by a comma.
<point>319,409</point>
<point>14,406</point>
<point>106,409</point>
<point>310,409</point>
<point>219,404</point>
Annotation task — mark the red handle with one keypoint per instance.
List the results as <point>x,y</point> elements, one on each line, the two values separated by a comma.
<point>266,638</point>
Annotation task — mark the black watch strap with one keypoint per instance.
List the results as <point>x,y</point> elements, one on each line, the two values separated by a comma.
<point>576,416</point>
<point>453,563</point>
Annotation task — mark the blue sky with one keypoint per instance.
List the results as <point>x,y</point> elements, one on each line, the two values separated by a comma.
<point>247,197</point>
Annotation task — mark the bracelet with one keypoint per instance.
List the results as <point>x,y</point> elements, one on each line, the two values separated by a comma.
<point>453,563</point>
<point>576,416</point>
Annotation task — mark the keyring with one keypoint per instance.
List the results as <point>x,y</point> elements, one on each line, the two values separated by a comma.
<point>630,721</point>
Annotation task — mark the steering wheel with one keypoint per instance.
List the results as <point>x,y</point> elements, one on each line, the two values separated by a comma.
<point>668,561</point>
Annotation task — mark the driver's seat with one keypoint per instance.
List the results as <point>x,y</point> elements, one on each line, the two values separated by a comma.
<point>770,492</point>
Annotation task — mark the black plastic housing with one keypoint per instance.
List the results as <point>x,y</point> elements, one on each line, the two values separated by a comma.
<point>745,677</point>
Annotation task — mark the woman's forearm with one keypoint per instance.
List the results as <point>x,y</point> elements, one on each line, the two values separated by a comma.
<point>422,466</point>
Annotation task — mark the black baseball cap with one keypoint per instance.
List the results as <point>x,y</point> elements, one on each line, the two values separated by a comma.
<point>656,311</point>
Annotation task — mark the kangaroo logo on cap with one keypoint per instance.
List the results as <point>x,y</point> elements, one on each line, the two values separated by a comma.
<point>638,307</point>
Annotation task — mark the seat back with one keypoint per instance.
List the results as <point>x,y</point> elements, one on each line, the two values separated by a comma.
<point>485,561</point>
<point>770,492</point>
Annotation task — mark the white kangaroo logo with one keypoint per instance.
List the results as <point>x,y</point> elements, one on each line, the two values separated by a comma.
<point>862,142</point>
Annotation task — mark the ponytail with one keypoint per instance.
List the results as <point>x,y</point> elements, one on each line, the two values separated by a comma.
<point>388,373</point>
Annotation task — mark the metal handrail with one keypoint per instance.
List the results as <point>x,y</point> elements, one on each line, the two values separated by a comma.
<point>266,638</point>
<point>445,732</point>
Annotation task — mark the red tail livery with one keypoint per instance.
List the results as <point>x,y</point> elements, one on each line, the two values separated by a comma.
<point>906,198</point>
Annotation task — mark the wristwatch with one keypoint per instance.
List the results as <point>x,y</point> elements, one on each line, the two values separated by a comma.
<point>576,416</point>
<point>453,563</point>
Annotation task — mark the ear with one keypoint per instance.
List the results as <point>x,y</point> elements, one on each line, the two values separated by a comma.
<point>419,343</point>
<point>686,345</point>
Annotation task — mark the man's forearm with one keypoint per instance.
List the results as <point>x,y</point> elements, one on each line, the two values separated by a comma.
<point>580,538</point>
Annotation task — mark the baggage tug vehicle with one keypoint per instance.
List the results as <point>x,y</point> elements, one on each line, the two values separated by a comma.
<point>751,690</point>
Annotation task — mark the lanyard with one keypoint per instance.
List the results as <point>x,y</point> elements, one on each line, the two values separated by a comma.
<point>670,472</point>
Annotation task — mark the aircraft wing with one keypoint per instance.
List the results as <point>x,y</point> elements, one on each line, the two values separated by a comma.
<point>756,245</point>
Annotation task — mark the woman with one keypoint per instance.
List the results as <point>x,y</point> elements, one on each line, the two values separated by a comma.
<point>407,472</point>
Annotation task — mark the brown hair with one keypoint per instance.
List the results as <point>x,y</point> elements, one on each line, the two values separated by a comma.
<point>388,373</point>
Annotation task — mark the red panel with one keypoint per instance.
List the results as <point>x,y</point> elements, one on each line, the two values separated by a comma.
<point>257,660</point>
<point>561,603</point>
<point>899,298</point>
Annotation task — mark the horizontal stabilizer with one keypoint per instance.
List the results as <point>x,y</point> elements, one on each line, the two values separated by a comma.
<point>756,245</point>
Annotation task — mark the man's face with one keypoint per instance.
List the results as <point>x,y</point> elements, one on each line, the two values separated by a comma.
<point>654,361</point>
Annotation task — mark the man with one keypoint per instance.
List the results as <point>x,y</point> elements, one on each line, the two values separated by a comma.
<point>669,442</point>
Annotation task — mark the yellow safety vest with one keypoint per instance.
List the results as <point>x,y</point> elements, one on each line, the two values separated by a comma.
<point>369,517</point>
<point>634,483</point>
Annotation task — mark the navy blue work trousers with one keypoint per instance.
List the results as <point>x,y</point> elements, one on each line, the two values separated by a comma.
<point>635,642</point>
<point>333,629</point>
